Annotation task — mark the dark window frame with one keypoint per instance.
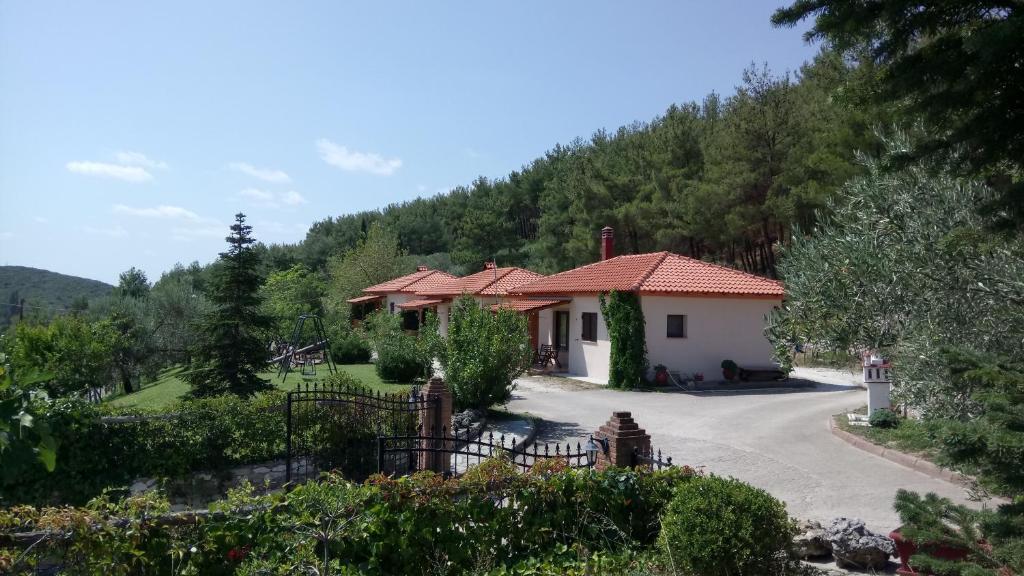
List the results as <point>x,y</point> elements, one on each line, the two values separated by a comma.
<point>668,326</point>
<point>589,328</point>
<point>562,329</point>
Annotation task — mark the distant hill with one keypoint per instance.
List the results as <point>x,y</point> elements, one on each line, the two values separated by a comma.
<point>43,291</point>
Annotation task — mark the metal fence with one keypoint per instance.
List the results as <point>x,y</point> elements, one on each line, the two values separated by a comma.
<point>454,451</point>
<point>651,458</point>
<point>335,427</point>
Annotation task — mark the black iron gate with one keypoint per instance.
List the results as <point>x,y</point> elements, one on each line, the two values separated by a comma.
<point>335,428</point>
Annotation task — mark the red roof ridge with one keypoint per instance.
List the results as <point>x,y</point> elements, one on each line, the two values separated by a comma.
<point>647,274</point>
<point>723,267</point>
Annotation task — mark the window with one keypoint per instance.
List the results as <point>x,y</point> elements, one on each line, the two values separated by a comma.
<point>562,330</point>
<point>590,326</point>
<point>392,307</point>
<point>676,326</point>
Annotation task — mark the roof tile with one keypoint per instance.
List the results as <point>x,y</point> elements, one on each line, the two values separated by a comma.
<point>420,279</point>
<point>656,273</point>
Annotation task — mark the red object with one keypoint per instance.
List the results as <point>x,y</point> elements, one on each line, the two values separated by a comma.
<point>661,377</point>
<point>906,548</point>
<point>487,282</point>
<point>656,273</point>
<point>699,377</point>
<point>607,243</point>
<point>729,374</point>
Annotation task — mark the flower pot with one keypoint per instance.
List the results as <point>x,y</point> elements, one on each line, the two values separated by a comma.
<point>906,548</point>
<point>661,378</point>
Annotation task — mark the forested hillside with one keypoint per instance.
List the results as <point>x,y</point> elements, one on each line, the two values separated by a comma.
<point>44,292</point>
<point>724,179</point>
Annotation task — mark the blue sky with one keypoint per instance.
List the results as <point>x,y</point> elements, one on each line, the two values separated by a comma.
<point>131,132</point>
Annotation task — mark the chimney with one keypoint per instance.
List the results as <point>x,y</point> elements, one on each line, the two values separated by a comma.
<point>489,265</point>
<point>421,268</point>
<point>607,242</point>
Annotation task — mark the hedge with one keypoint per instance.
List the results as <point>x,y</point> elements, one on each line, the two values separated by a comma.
<point>492,520</point>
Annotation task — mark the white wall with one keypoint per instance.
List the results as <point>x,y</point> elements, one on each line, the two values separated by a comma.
<point>717,329</point>
<point>442,318</point>
<point>545,327</point>
<point>397,298</point>
<point>589,359</point>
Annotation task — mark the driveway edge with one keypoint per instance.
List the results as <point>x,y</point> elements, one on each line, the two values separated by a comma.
<point>915,463</point>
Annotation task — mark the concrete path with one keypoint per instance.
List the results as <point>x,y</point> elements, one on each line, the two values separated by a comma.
<point>777,440</point>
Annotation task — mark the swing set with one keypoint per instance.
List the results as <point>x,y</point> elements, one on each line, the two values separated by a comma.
<point>306,356</point>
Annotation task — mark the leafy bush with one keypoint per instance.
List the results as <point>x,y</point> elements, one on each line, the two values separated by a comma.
<point>349,347</point>
<point>93,454</point>
<point>721,526</point>
<point>400,357</point>
<point>627,367</point>
<point>884,418</point>
<point>482,354</point>
<point>385,526</point>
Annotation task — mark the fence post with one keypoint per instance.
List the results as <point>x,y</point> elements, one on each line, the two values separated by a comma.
<point>434,422</point>
<point>624,436</point>
<point>288,441</point>
<point>380,454</point>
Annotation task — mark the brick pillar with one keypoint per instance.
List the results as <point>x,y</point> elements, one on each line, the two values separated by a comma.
<point>624,435</point>
<point>435,421</point>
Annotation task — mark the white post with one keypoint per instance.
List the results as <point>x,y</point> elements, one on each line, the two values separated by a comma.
<point>877,381</point>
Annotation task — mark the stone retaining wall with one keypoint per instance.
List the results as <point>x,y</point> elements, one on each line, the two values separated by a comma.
<point>199,489</point>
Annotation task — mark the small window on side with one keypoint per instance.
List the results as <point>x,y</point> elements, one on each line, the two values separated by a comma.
<point>590,326</point>
<point>676,326</point>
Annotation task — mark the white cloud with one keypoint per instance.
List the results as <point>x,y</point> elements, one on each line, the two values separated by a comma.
<point>265,174</point>
<point>162,211</point>
<point>126,173</point>
<point>273,200</point>
<point>114,232</point>
<point>129,158</point>
<point>353,161</point>
<point>293,198</point>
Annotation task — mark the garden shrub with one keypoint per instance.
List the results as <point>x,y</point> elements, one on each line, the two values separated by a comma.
<point>884,418</point>
<point>482,354</point>
<point>514,523</point>
<point>349,347</point>
<point>208,434</point>
<point>720,526</point>
<point>400,356</point>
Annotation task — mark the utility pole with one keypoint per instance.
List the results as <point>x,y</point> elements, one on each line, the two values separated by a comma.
<point>21,310</point>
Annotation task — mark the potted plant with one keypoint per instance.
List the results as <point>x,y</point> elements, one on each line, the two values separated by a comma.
<point>661,375</point>
<point>729,369</point>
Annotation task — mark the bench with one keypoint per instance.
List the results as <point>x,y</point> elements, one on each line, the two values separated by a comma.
<point>761,373</point>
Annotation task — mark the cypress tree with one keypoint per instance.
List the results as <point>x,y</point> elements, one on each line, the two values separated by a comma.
<point>231,348</point>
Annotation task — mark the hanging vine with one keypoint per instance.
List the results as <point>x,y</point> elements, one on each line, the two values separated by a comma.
<point>627,332</point>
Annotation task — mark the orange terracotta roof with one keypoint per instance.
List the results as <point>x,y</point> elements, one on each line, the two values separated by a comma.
<point>655,273</point>
<point>489,282</point>
<point>418,280</point>
<point>419,303</point>
<point>526,305</point>
<point>364,299</point>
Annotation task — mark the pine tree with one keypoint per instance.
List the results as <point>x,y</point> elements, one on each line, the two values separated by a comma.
<point>231,348</point>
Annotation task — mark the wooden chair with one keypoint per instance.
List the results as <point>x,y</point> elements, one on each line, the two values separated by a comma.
<point>547,355</point>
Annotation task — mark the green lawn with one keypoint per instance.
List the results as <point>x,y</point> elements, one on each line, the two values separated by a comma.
<point>170,387</point>
<point>910,436</point>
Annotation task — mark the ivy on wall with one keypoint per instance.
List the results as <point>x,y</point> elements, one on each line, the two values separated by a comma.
<point>627,332</point>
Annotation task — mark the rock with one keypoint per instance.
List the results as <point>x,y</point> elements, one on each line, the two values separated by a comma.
<point>463,420</point>
<point>140,486</point>
<point>810,541</point>
<point>854,546</point>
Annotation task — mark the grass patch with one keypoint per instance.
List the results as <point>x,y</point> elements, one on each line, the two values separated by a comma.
<point>913,436</point>
<point>169,387</point>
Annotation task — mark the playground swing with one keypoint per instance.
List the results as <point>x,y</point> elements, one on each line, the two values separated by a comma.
<point>298,354</point>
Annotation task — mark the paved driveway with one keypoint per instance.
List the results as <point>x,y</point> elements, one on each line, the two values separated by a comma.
<point>776,440</point>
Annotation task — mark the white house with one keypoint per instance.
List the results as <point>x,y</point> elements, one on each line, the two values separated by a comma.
<point>400,295</point>
<point>489,287</point>
<point>696,313</point>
